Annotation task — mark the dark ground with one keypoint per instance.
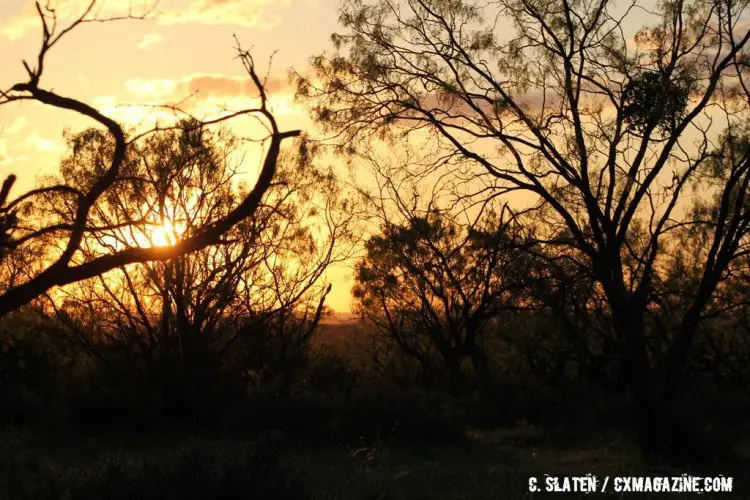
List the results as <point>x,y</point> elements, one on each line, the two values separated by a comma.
<point>483,464</point>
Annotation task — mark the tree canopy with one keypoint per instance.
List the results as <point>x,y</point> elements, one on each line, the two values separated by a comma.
<point>604,132</point>
<point>23,236</point>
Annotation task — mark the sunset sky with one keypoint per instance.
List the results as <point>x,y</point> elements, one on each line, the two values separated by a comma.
<point>186,48</point>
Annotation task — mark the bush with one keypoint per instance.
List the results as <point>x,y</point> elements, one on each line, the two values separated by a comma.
<point>191,471</point>
<point>331,375</point>
<point>32,372</point>
<point>401,415</point>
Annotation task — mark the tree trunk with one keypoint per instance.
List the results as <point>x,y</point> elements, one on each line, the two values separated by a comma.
<point>453,367</point>
<point>481,369</point>
<point>427,373</point>
<point>664,432</point>
<point>648,416</point>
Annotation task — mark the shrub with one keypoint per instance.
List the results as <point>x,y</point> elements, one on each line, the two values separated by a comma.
<point>191,471</point>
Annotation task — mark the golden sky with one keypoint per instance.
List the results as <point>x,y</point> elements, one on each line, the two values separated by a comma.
<point>187,47</point>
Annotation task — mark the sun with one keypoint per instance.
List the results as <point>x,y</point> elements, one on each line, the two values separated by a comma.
<point>163,235</point>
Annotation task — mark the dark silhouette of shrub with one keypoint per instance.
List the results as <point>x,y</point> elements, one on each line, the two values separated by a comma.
<point>193,471</point>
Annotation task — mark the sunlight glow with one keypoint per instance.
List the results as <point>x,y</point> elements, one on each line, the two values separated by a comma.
<point>166,234</point>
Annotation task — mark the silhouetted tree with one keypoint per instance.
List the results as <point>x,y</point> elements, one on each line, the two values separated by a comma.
<point>562,290</point>
<point>432,284</point>
<point>222,308</point>
<point>59,242</point>
<point>552,99</point>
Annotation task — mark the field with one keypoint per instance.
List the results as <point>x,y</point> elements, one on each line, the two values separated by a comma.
<point>484,464</point>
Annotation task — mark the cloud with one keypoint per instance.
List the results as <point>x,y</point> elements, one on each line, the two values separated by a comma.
<point>204,85</point>
<point>18,27</point>
<point>66,10</point>
<point>5,159</point>
<point>131,115</point>
<point>18,125</point>
<point>217,85</point>
<point>149,41</point>
<point>35,141</point>
<point>151,89</point>
<point>202,94</point>
<point>245,13</point>
<point>225,86</point>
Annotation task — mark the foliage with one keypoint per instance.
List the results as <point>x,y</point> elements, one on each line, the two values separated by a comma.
<point>58,243</point>
<point>654,99</point>
<point>191,470</point>
<point>212,324</point>
<point>431,286</point>
<point>601,132</point>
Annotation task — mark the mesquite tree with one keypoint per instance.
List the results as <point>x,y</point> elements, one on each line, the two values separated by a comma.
<point>57,244</point>
<point>604,132</point>
<point>251,302</point>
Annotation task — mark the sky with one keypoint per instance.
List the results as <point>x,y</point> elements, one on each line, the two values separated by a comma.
<point>186,47</point>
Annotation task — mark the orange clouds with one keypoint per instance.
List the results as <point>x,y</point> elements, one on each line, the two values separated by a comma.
<point>67,10</point>
<point>203,86</point>
<point>247,13</point>
<point>13,147</point>
<point>223,86</point>
<point>201,94</point>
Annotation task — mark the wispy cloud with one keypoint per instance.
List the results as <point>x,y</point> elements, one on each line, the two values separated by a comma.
<point>203,85</point>
<point>145,90</point>
<point>201,94</point>
<point>149,41</point>
<point>5,159</point>
<point>17,126</point>
<point>246,13</point>
<point>66,10</point>
<point>35,141</point>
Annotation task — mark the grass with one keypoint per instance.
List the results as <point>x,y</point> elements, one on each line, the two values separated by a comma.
<point>488,464</point>
<point>56,468</point>
<point>494,464</point>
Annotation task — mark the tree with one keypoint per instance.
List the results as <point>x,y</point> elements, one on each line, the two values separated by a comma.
<point>551,99</point>
<point>63,263</point>
<point>220,310</point>
<point>433,284</point>
<point>563,291</point>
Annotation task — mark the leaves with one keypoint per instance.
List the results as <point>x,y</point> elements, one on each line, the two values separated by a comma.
<point>655,99</point>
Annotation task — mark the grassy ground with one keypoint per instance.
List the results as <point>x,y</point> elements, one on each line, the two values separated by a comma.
<point>488,464</point>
